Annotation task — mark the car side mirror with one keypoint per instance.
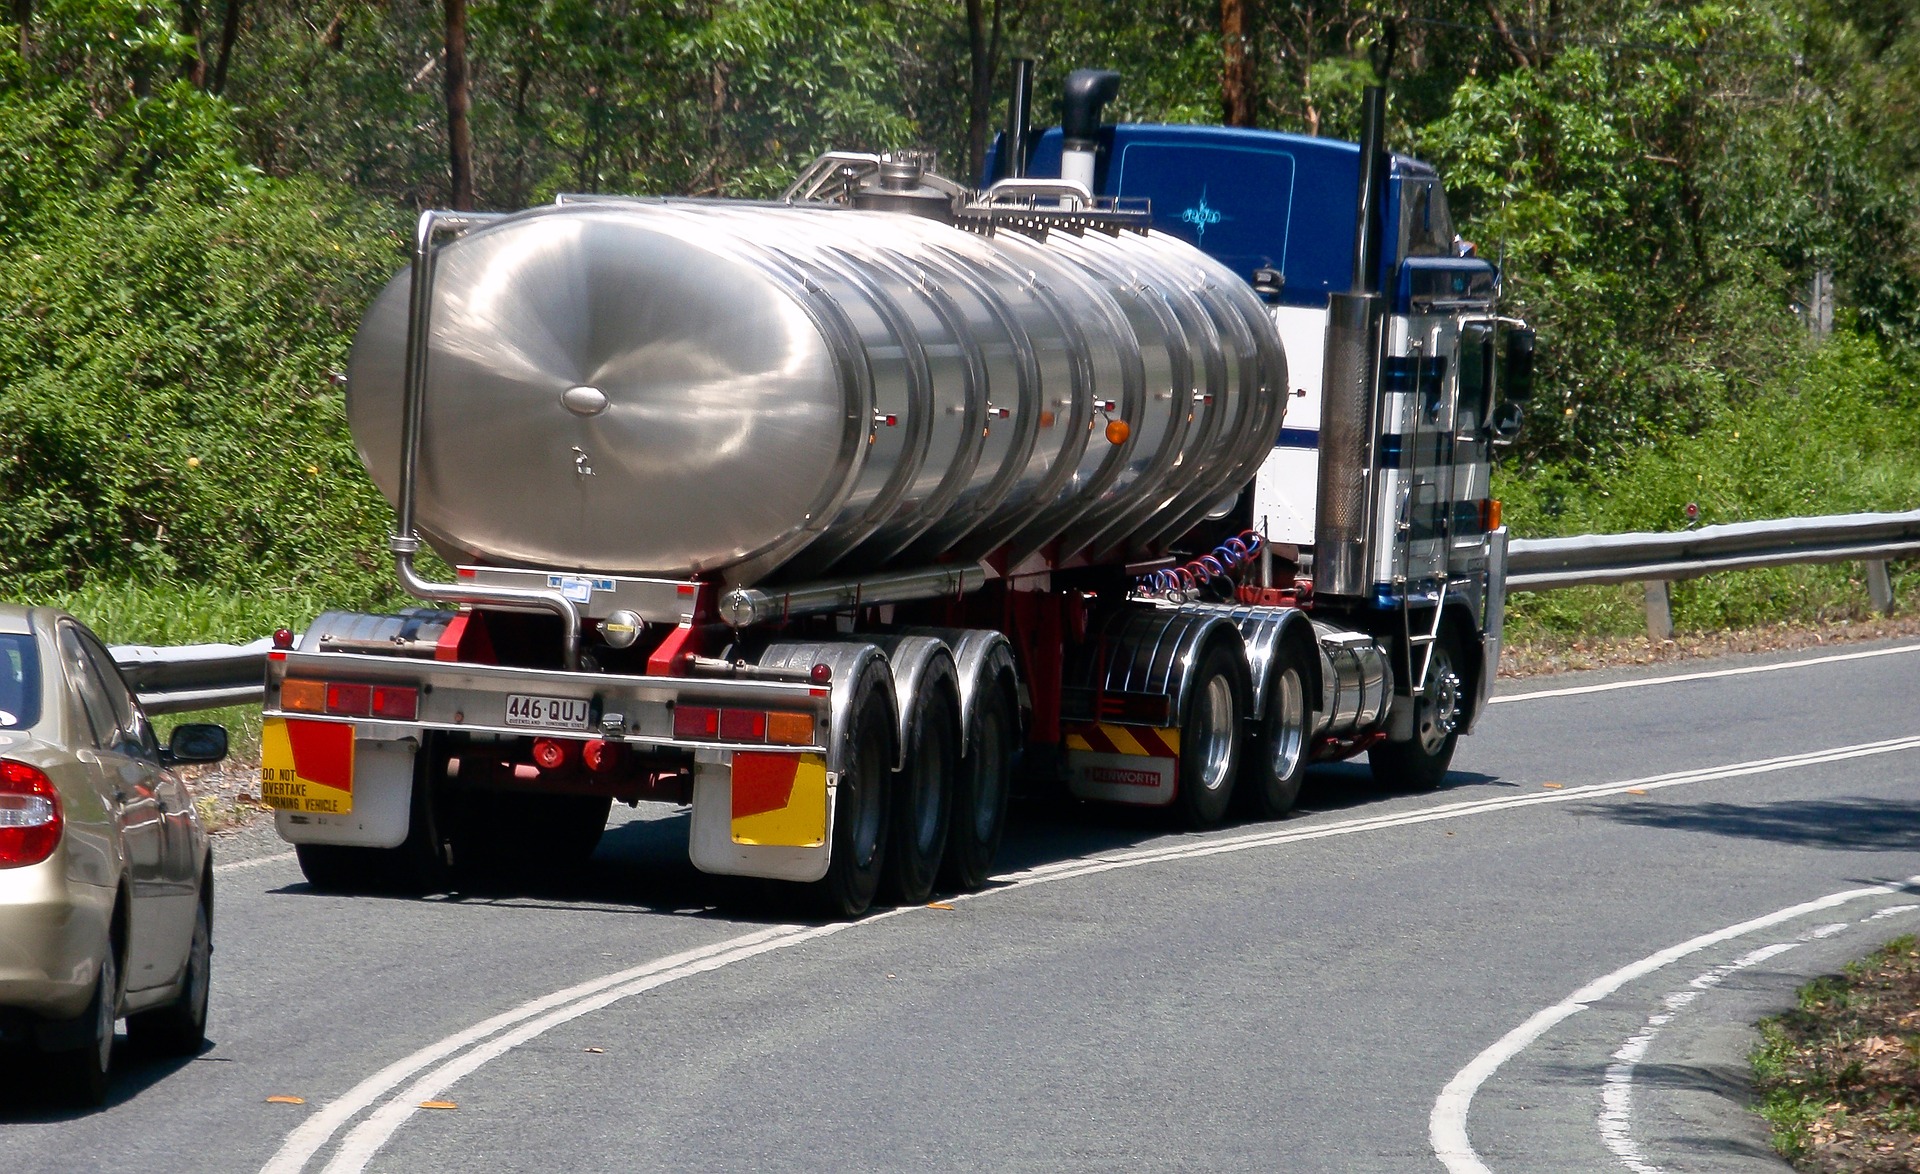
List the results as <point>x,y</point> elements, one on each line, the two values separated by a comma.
<point>1519,374</point>
<point>194,742</point>
<point>1506,422</point>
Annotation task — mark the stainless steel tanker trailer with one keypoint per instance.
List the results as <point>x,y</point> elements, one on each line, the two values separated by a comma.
<point>1153,468</point>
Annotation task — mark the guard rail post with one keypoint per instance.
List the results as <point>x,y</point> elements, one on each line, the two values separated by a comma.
<point>1659,609</point>
<point>1880,586</point>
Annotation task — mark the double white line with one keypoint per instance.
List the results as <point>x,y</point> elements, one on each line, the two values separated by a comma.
<point>437,1067</point>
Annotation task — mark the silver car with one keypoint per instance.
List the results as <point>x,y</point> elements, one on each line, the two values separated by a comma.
<point>106,883</point>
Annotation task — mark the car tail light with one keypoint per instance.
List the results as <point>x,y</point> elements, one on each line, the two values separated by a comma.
<point>30,820</point>
<point>698,722</point>
<point>790,729</point>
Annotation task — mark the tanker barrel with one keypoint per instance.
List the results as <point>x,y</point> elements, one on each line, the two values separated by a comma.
<point>753,393</point>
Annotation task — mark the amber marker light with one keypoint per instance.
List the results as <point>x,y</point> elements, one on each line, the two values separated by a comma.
<point>790,729</point>
<point>1117,432</point>
<point>303,696</point>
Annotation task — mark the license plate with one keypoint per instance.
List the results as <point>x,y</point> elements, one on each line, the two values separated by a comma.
<point>565,713</point>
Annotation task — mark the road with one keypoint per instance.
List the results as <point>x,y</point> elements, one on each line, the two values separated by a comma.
<point>1547,965</point>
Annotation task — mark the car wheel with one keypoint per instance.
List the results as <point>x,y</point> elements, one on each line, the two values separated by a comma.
<point>180,1028</point>
<point>81,1073</point>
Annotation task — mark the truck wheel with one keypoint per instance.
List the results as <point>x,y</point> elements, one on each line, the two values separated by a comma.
<point>860,815</point>
<point>922,798</point>
<point>1277,755</point>
<point>567,829</point>
<point>80,1074</point>
<point>180,1028</point>
<point>1420,763</point>
<point>415,867</point>
<point>1210,736</point>
<point>980,791</point>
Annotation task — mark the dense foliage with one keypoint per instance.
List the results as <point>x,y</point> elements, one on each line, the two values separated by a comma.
<point>197,199</point>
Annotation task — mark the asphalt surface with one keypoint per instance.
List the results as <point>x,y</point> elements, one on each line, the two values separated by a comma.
<point>1378,981</point>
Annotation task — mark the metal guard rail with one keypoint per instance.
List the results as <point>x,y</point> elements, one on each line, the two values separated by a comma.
<point>1543,564</point>
<point>207,676</point>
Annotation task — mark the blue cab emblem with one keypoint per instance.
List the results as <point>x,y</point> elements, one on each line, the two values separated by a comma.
<point>1202,215</point>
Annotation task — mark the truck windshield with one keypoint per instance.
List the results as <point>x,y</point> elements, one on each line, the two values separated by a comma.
<point>19,681</point>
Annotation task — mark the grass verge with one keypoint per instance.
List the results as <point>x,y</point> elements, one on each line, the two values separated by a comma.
<point>1839,1076</point>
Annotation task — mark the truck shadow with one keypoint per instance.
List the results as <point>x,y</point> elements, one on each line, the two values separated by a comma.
<point>1874,825</point>
<point>641,864</point>
<point>28,1098</point>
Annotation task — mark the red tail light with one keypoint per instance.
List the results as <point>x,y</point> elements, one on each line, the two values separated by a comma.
<point>743,725</point>
<point>30,819</point>
<point>697,722</point>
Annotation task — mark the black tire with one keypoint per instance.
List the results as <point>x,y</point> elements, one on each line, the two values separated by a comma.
<point>923,799</point>
<point>80,1074</point>
<point>1211,736</point>
<point>414,867</point>
<point>861,817</point>
<point>180,1028</point>
<point>512,839</point>
<point>981,786</point>
<point>1420,763</point>
<point>1276,756</point>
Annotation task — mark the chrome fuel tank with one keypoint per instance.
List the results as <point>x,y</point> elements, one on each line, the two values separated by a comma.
<point>758,392</point>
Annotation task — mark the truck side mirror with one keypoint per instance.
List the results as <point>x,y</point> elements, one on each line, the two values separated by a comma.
<point>1519,373</point>
<point>1506,423</point>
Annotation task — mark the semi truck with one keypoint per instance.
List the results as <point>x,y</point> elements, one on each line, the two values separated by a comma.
<point>1150,467</point>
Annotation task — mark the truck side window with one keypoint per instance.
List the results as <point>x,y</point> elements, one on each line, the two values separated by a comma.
<point>1426,227</point>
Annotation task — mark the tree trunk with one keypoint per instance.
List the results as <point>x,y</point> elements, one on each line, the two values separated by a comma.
<point>229,33</point>
<point>23,20</point>
<point>195,67</point>
<point>983,51</point>
<point>459,136</point>
<point>1236,76</point>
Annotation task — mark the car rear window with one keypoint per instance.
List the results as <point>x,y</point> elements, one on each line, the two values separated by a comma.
<point>19,681</point>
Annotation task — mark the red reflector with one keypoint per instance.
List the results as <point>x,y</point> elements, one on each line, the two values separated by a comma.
<point>550,753</point>
<point>395,702</point>
<point>30,819</point>
<point>696,721</point>
<point>743,725</point>
<point>600,755</point>
<point>356,700</point>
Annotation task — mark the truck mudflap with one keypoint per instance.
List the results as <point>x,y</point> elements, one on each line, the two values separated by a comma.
<point>1123,764</point>
<point>765,815</point>
<point>328,786</point>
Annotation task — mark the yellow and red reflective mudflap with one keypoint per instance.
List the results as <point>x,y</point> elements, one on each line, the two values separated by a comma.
<point>306,766</point>
<point>779,799</point>
<point>1123,764</point>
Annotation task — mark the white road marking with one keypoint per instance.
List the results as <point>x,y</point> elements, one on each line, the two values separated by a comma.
<point>1447,1124</point>
<point>1616,1092</point>
<point>253,862</point>
<point>491,1038</point>
<point>1577,690</point>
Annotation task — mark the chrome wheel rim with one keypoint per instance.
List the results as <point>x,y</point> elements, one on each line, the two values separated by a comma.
<point>1215,725</point>
<point>1439,713</point>
<point>1290,729</point>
